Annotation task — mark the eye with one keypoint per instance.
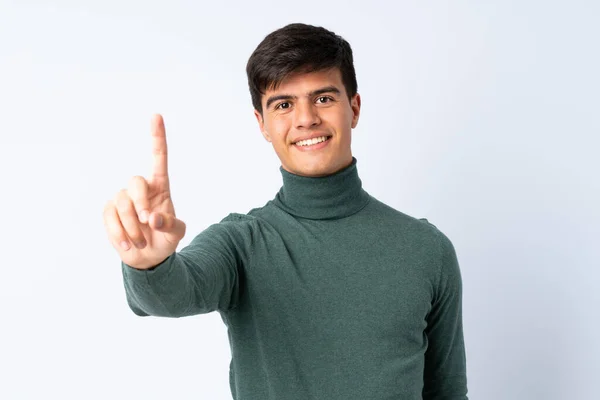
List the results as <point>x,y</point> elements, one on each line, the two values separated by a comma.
<point>324,99</point>
<point>283,106</point>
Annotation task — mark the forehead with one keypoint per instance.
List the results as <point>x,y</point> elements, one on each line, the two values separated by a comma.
<point>300,83</point>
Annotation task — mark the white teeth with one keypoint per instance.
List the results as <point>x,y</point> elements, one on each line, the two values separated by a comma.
<point>309,142</point>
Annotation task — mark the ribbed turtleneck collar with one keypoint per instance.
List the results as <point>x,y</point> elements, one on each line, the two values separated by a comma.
<point>328,197</point>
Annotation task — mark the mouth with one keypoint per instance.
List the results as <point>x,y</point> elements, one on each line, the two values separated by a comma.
<point>308,143</point>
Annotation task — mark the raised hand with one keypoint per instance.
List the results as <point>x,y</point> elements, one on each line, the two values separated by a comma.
<point>140,220</point>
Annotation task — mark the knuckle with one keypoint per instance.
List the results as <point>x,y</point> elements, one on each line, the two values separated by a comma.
<point>120,194</point>
<point>108,209</point>
<point>123,201</point>
<point>134,233</point>
<point>119,236</point>
<point>137,191</point>
<point>137,239</point>
<point>136,181</point>
<point>121,220</point>
<point>114,229</point>
<point>131,224</point>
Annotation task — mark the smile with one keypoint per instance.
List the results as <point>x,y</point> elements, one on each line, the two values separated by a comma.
<point>312,142</point>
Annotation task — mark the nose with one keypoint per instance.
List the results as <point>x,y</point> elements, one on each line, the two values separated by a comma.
<point>307,115</point>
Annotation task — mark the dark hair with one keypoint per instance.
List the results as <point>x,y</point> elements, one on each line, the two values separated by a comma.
<point>298,48</point>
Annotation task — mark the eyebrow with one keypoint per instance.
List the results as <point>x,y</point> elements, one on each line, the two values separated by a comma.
<point>327,89</point>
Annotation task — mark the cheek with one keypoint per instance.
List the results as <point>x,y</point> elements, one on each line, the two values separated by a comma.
<point>278,128</point>
<point>343,121</point>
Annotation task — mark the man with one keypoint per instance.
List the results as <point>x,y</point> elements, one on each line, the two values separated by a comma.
<point>326,292</point>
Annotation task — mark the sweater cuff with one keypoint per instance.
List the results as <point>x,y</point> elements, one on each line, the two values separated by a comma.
<point>147,276</point>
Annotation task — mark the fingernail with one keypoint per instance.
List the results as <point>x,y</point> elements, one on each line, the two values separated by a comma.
<point>125,245</point>
<point>159,221</point>
<point>140,245</point>
<point>144,216</point>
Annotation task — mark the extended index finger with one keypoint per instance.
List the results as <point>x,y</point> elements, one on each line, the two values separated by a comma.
<point>159,148</point>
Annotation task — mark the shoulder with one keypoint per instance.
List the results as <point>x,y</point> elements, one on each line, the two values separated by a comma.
<point>448,266</point>
<point>397,219</point>
<point>233,228</point>
<point>419,230</point>
<point>246,223</point>
<point>253,216</point>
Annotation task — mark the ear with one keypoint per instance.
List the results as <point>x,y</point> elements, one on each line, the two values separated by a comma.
<point>261,125</point>
<point>355,104</point>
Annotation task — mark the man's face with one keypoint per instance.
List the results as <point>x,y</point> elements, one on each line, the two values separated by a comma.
<point>310,105</point>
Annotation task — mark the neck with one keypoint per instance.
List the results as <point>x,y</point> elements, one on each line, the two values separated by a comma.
<point>333,196</point>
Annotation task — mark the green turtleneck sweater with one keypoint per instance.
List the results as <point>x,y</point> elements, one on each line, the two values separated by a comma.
<point>327,294</point>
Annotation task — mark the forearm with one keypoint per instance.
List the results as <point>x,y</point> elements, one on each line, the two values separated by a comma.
<point>201,278</point>
<point>161,291</point>
<point>449,387</point>
<point>445,375</point>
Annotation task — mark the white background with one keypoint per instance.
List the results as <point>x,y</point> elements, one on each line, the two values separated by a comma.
<point>481,116</point>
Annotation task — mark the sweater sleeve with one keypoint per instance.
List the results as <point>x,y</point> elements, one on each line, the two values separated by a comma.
<point>204,276</point>
<point>445,376</point>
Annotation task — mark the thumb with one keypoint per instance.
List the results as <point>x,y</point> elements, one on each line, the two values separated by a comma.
<point>173,227</point>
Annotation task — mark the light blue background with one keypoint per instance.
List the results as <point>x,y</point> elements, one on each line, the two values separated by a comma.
<point>481,116</point>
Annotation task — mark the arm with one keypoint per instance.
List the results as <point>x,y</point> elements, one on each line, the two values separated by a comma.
<point>445,375</point>
<point>202,277</point>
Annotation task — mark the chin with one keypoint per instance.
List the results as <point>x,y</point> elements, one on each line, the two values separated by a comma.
<point>317,166</point>
<point>316,170</point>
